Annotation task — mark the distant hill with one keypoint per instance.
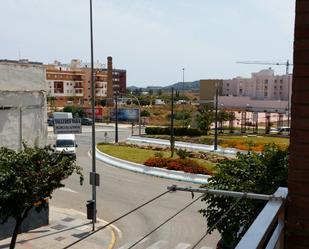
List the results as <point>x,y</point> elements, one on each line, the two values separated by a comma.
<point>193,86</point>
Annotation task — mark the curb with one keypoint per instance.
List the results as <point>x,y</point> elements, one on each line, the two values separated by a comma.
<point>199,147</point>
<point>163,173</point>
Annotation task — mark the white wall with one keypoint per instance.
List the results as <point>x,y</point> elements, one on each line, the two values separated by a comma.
<point>22,87</point>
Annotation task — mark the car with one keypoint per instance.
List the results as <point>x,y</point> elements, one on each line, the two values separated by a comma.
<point>280,131</point>
<point>50,122</point>
<point>86,121</point>
<point>284,130</point>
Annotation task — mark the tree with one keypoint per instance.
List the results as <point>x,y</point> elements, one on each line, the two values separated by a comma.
<point>159,92</point>
<point>222,117</point>
<point>30,176</point>
<point>77,111</point>
<point>204,118</point>
<point>259,173</point>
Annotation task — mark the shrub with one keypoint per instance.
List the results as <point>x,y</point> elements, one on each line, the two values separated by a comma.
<point>182,153</point>
<point>158,154</point>
<point>186,165</point>
<point>145,113</point>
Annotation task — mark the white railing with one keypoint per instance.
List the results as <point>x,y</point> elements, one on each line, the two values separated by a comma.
<point>267,231</point>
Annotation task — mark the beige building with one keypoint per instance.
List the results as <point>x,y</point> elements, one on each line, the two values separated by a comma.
<point>71,83</point>
<point>263,85</point>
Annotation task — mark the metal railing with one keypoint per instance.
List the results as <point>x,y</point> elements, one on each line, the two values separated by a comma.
<point>267,231</point>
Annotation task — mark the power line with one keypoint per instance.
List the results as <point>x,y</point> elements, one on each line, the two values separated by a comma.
<point>119,218</point>
<point>173,216</point>
<point>214,225</point>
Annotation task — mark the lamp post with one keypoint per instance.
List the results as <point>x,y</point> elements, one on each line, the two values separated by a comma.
<point>93,175</point>
<point>183,92</point>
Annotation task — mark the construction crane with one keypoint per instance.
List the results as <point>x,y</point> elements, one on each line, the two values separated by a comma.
<point>287,64</point>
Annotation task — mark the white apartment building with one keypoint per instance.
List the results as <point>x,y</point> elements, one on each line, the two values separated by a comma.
<point>263,85</point>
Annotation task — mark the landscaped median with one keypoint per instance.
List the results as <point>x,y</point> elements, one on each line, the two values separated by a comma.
<point>159,163</point>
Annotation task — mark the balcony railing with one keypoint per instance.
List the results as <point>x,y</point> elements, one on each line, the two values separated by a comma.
<point>267,231</point>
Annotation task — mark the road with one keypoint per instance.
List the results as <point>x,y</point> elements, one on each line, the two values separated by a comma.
<point>121,191</point>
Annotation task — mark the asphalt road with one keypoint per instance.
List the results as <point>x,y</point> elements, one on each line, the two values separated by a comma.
<point>121,191</point>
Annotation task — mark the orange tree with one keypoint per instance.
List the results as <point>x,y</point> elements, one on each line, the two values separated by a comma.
<point>30,176</point>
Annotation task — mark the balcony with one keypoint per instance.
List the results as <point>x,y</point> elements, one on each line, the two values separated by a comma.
<point>267,231</point>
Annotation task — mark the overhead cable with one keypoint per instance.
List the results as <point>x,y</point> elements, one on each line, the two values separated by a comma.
<point>218,221</point>
<point>117,219</point>
<point>173,216</point>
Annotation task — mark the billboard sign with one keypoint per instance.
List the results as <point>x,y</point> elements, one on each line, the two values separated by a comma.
<point>67,125</point>
<point>125,115</point>
<point>98,112</point>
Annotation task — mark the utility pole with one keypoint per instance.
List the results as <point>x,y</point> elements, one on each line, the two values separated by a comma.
<point>172,139</point>
<point>183,92</point>
<point>93,174</point>
<point>116,117</point>
<point>216,119</point>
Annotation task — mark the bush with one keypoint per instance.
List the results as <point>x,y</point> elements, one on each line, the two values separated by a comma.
<point>183,154</point>
<point>186,165</point>
<point>145,113</point>
<point>158,154</point>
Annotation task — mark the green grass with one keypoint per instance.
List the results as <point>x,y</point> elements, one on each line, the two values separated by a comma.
<point>138,155</point>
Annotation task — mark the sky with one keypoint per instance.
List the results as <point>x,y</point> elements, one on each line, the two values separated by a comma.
<point>153,39</point>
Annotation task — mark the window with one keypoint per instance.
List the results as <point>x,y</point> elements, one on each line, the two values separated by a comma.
<point>58,87</point>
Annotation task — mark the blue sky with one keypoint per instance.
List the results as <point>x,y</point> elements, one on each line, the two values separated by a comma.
<point>153,39</point>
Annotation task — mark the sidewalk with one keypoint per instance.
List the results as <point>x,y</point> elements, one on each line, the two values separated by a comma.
<point>66,226</point>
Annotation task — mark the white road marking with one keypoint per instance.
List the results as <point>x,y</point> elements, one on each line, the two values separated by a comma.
<point>126,246</point>
<point>68,190</point>
<point>182,246</point>
<point>158,244</point>
<point>205,247</point>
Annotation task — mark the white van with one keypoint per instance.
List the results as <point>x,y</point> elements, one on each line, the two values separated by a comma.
<point>66,143</point>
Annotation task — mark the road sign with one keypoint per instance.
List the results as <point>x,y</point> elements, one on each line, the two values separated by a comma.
<point>67,125</point>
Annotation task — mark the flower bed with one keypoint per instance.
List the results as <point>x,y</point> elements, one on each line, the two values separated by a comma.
<point>186,165</point>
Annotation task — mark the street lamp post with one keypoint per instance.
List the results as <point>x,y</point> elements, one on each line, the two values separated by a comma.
<point>93,175</point>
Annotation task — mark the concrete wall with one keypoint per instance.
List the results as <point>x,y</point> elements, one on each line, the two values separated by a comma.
<point>32,107</point>
<point>33,220</point>
<point>23,93</point>
<point>226,102</point>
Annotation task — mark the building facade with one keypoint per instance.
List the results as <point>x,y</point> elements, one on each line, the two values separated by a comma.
<point>263,85</point>
<point>71,83</point>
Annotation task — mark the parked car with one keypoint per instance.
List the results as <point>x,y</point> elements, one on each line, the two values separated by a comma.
<point>86,121</point>
<point>280,130</point>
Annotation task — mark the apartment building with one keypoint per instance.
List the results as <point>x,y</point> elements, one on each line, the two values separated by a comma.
<point>71,83</point>
<point>263,85</point>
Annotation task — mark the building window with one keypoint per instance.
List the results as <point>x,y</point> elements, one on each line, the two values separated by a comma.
<point>58,87</point>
